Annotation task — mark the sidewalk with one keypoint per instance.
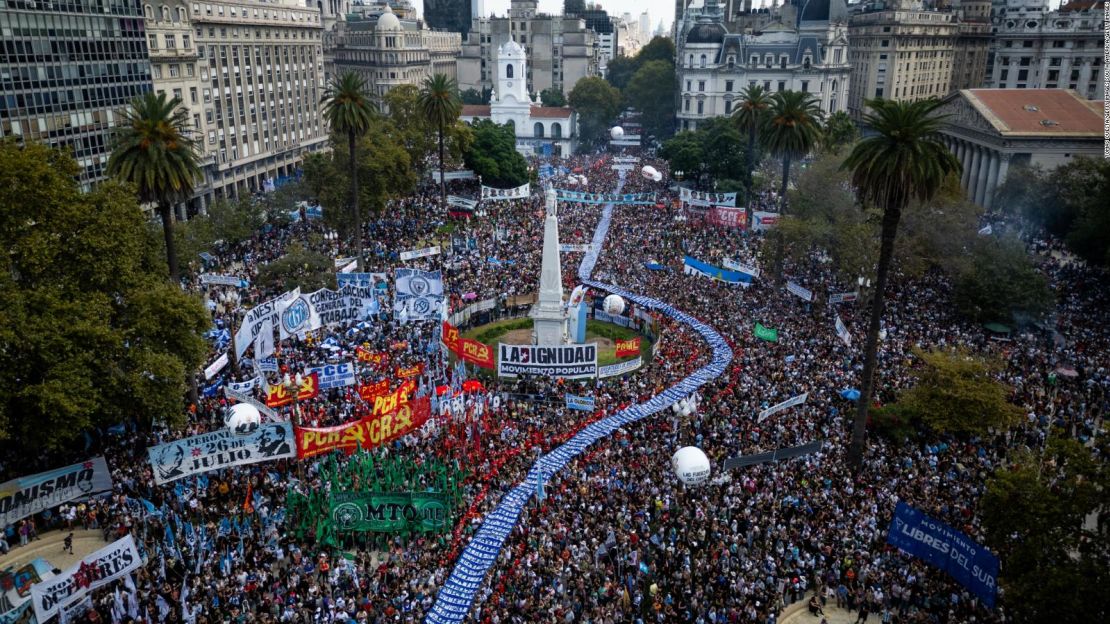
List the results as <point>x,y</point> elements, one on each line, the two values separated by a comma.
<point>50,547</point>
<point>832,614</point>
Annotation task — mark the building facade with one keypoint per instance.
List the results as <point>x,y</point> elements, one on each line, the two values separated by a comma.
<point>972,45</point>
<point>994,132</point>
<point>715,66</point>
<point>451,15</point>
<point>388,52</point>
<point>1035,48</point>
<point>546,130</point>
<point>66,70</point>
<point>901,54</point>
<point>251,75</point>
<point>561,50</point>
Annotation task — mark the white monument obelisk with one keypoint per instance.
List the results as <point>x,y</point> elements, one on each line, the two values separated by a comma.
<point>549,325</point>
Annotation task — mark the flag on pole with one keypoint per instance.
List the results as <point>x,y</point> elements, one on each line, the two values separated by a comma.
<point>766,333</point>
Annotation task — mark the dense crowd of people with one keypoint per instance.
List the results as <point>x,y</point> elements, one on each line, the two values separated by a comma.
<point>616,538</point>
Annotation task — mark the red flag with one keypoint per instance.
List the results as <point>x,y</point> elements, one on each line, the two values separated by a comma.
<point>248,505</point>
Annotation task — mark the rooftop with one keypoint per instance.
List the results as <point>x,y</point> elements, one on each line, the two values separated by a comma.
<point>1046,112</point>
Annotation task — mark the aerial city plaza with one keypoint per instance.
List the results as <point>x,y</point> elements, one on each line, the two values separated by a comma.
<point>516,312</point>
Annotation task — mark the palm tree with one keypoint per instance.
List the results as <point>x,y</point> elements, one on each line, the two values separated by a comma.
<point>791,129</point>
<point>839,131</point>
<point>155,150</point>
<point>754,102</point>
<point>348,110</point>
<point>439,100</point>
<point>902,160</point>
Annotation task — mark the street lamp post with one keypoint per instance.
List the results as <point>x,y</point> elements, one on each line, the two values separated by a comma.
<point>230,299</point>
<point>292,385</point>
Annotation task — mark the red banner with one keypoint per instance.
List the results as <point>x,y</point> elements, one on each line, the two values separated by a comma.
<point>475,352</point>
<point>724,216</point>
<point>629,347</point>
<point>450,337</point>
<point>375,358</point>
<point>367,433</point>
<point>369,392</point>
<point>410,371</point>
<point>279,395</point>
<point>393,401</point>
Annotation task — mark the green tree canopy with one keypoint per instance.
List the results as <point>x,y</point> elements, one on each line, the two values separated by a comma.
<point>651,91</point>
<point>474,96</point>
<point>999,283</point>
<point>1036,514</point>
<point>956,392</point>
<point>552,97</point>
<point>598,103</point>
<point>90,334</point>
<point>839,130</point>
<point>311,270</point>
<point>493,156</point>
<point>715,149</point>
<point>410,126</point>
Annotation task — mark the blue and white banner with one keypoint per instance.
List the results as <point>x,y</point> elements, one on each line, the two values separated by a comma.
<point>220,449</point>
<point>461,202</point>
<point>964,559</point>
<point>255,319</point>
<point>567,361</point>
<point>741,267</point>
<point>268,365</point>
<point>842,331</point>
<point>90,573</point>
<point>377,281</point>
<point>418,295</point>
<point>616,319</point>
<point>334,375</point>
<point>25,496</point>
<point>581,403</point>
<point>414,254</point>
<point>791,402</point>
<point>582,197</point>
<point>843,297</point>
<point>243,387</point>
<point>620,368</point>
<point>223,280</point>
<point>797,289</point>
<point>693,266</point>
<point>571,248</point>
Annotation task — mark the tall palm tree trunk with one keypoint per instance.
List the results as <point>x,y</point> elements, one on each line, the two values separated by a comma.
<point>353,165</point>
<point>751,174</point>
<point>442,178</point>
<point>165,211</point>
<point>891,216</point>
<point>785,180</point>
<point>780,245</point>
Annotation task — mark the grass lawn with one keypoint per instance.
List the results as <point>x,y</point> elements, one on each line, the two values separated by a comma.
<point>604,334</point>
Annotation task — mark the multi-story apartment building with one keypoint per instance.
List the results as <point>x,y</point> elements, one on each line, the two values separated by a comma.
<point>388,52</point>
<point>251,75</point>
<point>1037,48</point>
<point>66,70</point>
<point>972,45</point>
<point>560,50</point>
<point>900,53</point>
<point>715,66</point>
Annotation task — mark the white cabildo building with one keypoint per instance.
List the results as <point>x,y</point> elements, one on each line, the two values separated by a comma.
<point>542,130</point>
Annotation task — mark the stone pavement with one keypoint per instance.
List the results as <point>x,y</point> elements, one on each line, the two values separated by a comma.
<point>50,547</point>
<point>833,615</point>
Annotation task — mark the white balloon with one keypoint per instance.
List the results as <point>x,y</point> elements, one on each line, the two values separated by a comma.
<point>242,418</point>
<point>649,172</point>
<point>676,406</point>
<point>616,132</point>
<point>687,410</point>
<point>658,177</point>
<point>690,465</point>
<point>613,305</point>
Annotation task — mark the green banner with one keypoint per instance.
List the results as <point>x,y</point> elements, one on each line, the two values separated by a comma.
<point>766,333</point>
<point>402,512</point>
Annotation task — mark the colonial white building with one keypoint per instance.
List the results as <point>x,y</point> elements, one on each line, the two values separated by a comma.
<point>539,129</point>
<point>714,66</point>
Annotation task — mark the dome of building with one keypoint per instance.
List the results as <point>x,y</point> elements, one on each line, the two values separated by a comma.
<point>510,48</point>
<point>706,32</point>
<point>387,21</point>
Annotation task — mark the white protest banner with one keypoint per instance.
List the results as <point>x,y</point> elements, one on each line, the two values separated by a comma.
<point>418,295</point>
<point>702,198</point>
<point>791,402</point>
<point>91,573</point>
<point>255,317</point>
<point>764,220</point>
<point>220,449</point>
<point>843,297</point>
<point>215,367</point>
<point>626,159</point>
<point>347,268</point>
<point>242,387</point>
<point>264,340</point>
<point>620,368</point>
<point>413,254</point>
<point>243,397</point>
<point>340,262</point>
<point>567,361</point>
<point>223,280</point>
<point>842,331</point>
<point>495,194</point>
<point>622,167</point>
<point>462,202</point>
<point>25,496</point>
<point>569,247</point>
<point>743,268</point>
<point>797,289</point>
<point>462,174</point>
<point>334,375</point>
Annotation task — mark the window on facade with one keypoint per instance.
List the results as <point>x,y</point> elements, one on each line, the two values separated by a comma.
<point>557,130</point>
<point>171,42</point>
<point>153,42</point>
<point>885,43</point>
<point>703,60</point>
<point>509,70</point>
<point>1023,74</point>
<point>782,61</point>
<point>755,60</point>
<point>193,95</point>
<point>728,106</point>
<point>686,106</point>
<point>879,92</point>
<point>701,85</point>
<point>156,71</point>
<point>805,86</point>
<point>782,85</point>
<point>766,85</point>
<point>728,85</point>
<point>688,83</point>
<point>806,62</point>
<point>175,70</point>
<point>537,130</point>
<point>836,56</point>
<point>701,107</point>
<point>768,61</point>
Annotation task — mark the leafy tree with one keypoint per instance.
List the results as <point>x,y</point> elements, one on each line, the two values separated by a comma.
<point>348,111</point>
<point>956,392</point>
<point>91,332</point>
<point>658,49</point>
<point>326,183</point>
<point>311,270</point>
<point>598,105</point>
<point>411,127</point>
<point>473,96</point>
<point>155,151</point>
<point>441,108</point>
<point>714,149</point>
<point>903,160</point>
<point>839,131</point>
<point>750,114</point>
<point>1056,564</point>
<point>493,155</point>
<point>553,97</point>
<point>620,71</point>
<point>230,221</point>
<point>684,152</point>
<point>999,283</point>
<point>651,91</point>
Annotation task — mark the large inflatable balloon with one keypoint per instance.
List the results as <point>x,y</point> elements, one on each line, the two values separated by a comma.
<point>242,419</point>
<point>690,465</point>
<point>649,172</point>
<point>616,132</point>
<point>613,305</point>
